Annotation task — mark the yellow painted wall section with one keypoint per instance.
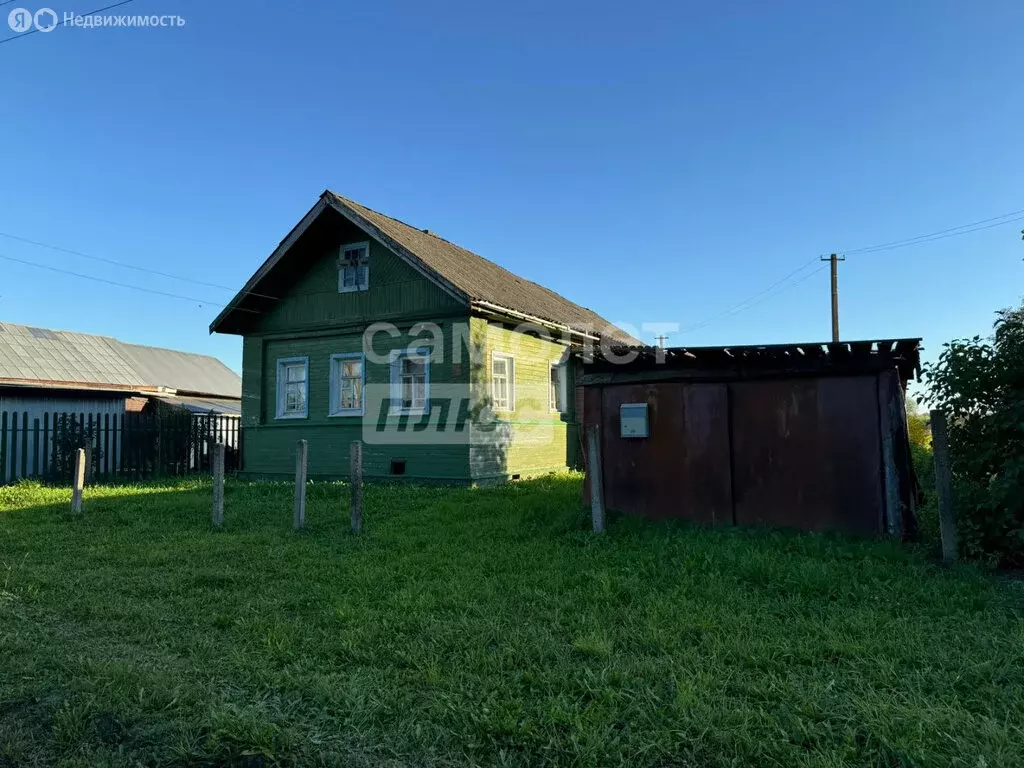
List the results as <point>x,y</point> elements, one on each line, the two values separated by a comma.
<point>531,438</point>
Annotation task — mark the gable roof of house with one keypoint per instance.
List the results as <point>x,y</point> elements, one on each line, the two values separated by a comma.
<point>40,357</point>
<point>466,275</point>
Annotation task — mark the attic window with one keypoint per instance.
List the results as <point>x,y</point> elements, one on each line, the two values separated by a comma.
<point>354,268</point>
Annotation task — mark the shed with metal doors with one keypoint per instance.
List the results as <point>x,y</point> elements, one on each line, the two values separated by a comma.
<point>812,436</point>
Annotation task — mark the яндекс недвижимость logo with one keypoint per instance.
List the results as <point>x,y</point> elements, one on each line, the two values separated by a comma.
<point>23,20</point>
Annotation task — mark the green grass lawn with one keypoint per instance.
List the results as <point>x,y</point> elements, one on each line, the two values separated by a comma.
<point>483,627</point>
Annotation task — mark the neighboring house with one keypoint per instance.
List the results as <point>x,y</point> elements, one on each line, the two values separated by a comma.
<point>82,379</point>
<point>46,371</point>
<point>447,366</point>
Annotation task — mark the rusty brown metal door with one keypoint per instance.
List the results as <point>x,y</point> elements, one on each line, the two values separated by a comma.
<point>681,470</point>
<point>806,453</point>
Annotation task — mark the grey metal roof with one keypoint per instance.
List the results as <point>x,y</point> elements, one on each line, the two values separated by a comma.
<point>184,371</point>
<point>47,358</point>
<point>221,406</point>
<point>62,357</point>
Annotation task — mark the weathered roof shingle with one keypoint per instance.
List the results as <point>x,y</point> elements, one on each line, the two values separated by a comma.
<point>483,280</point>
<point>466,274</point>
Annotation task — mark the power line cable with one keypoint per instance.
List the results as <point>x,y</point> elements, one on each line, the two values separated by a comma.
<point>137,268</point>
<point>119,284</point>
<point>90,13</point>
<point>749,303</point>
<point>963,229</point>
<point>739,307</point>
<point>794,284</point>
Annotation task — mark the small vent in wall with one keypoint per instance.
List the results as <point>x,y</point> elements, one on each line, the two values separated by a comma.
<point>398,466</point>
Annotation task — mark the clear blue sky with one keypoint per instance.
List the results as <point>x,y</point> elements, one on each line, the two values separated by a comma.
<point>655,162</point>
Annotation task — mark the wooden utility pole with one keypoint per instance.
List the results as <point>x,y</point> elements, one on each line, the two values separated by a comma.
<point>661,340</point>
<point>834,263</point>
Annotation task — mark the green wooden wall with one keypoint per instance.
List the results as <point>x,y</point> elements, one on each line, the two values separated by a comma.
<point>313,320</point>
<point>396,291</point>
<point>269,449</point>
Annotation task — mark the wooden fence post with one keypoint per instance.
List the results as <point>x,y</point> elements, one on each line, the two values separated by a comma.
<point>890,475</point>
<point>301,460</point>
<point>594,475</point>
<point>944,486</point>
<point>218,485</point>
<point>356,478</point>
<point>79,480</point>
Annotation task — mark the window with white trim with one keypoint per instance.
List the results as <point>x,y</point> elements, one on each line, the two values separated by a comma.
<point>293,388</point>
<point>354,267</point>
<point>503,382</point>
<point>558,387</point>
<point>410,381</point>
<point>347,379</point>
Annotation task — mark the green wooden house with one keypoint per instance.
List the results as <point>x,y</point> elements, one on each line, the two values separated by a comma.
<point>448,367</point>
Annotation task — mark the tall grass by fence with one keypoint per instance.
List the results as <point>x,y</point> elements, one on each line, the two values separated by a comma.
<point>119,447</point>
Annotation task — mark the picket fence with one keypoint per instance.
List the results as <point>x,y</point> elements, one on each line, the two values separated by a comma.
<point>119,447</point>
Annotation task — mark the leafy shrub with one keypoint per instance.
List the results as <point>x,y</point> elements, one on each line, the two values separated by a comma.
<point>72,435</point>
<point>927,508</point>
<point>918,426</point>
<point>979,384</point>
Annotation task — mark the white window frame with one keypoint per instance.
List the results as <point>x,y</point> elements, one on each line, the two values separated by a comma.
<point>282,364</point>
<point>335,389</point>
<point>397,355</point>
<point>357,286</point>
<point>563,387</point>
<point>510,368</point>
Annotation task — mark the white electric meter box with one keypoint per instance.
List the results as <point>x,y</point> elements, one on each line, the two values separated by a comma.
<point>633,420</point>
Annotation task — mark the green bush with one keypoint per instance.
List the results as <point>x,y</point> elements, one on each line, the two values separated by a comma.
<point>920,433</point>
<point>979,384</point>
<point>918,426</point>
